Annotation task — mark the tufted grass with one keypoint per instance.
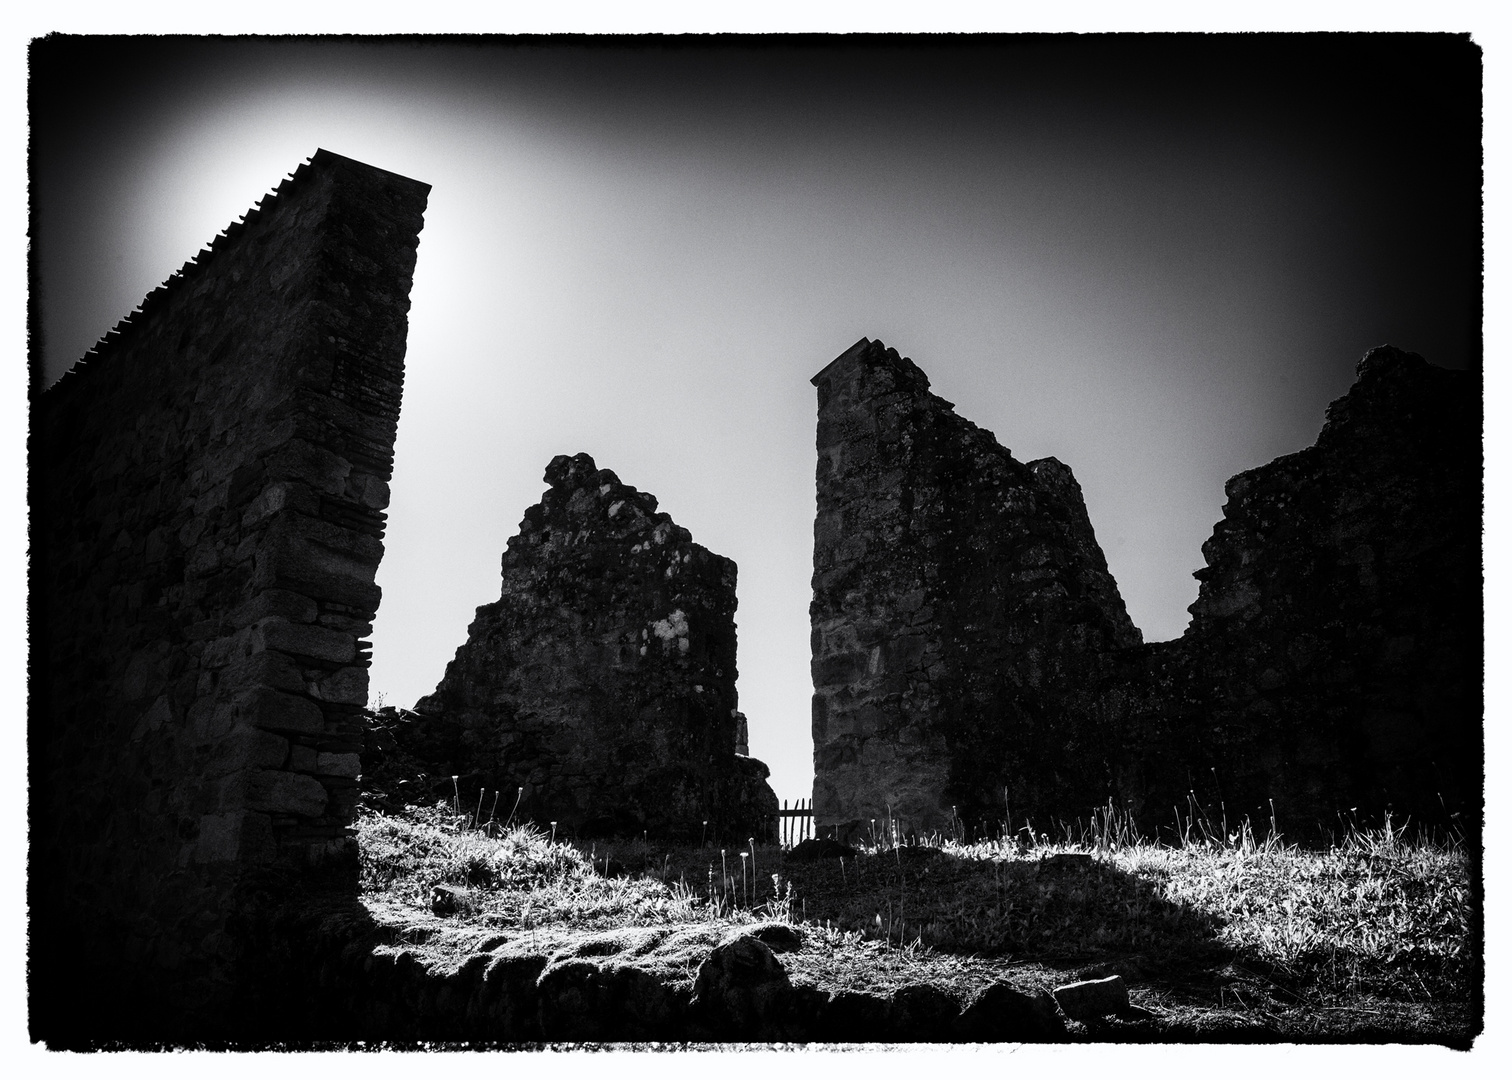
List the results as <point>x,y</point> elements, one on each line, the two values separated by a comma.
<point>516,877</point>
<point>1377,913</point>
<point>1228,924</point>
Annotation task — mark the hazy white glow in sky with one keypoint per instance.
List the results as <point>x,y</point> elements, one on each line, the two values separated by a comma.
<point>1159,276</point>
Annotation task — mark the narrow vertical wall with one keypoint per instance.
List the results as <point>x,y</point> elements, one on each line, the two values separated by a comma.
<point>960,601</point>
<point>207,489</point>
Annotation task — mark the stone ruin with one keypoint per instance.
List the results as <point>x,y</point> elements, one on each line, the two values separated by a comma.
<point>960,599</point>
<point>1335,655</point>
<point>599,689</point>
<point>972,657</point>
<point>207,490</point>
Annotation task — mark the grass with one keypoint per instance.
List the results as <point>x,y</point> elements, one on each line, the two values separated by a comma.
<point>1221,923</point>
<point>512,877</point>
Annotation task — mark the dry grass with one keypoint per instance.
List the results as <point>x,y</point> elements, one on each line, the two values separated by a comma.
<point>1217,922</point>
<point>512,878</point>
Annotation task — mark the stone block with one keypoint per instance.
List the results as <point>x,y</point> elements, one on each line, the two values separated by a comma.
<point>278,792</point>
<point>856,1016</point>
<point>153,719</point>
<point>374,493</point>
<point>248,748</point>
<point>842,670</point>
<point>349,686</point>
<point>741,988</point>
<point>327,563</point>
<point>234,837</point>
<point>348,765</point>
<point>1000,1013</point>
<point>298,460</point>
<point>315,642</point>
<point>275,711</point>
<point>272,670</point>
<point>211,719</point>
<point>921,1013</point>
<point>224,650</point>
<point>586,1000</point>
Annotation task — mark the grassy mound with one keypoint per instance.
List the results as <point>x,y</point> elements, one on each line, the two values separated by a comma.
<point>1374,934</point>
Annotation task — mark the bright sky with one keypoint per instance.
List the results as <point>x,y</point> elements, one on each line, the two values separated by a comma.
<point>1158,265</point>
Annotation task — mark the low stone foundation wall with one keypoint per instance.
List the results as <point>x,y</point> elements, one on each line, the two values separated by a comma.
<point>349,979</point>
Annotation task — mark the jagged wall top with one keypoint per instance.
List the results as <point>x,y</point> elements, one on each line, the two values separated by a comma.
<point>302,179</point>
<point>909,375</point>
<point>586,500</point>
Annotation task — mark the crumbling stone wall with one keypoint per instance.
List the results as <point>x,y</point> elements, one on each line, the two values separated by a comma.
<point>969,645</point>
<point>207,495</point>
<point>960,599</point>
<point>602,681</point>
<point>1334,657</point>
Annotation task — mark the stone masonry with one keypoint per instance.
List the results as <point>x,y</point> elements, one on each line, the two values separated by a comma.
<point>971,655</point>
<point>207,490</point>
<point>960,600</point>
<point>602,681</point>
<point>1334,657</point>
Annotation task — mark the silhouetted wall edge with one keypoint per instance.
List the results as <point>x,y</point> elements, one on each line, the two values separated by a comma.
<point>207,491</point>
<point>973,662</point>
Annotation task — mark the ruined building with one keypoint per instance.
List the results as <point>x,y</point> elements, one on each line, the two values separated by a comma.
<point>599,689</point>
<point>207,490</point>
<point>960,601</point>
<point>1335,654</point>
<point>972,656</point>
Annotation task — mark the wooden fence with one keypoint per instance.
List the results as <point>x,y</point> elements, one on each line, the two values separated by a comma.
<point>796,823</point>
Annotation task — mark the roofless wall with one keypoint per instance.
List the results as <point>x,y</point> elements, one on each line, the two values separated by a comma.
<point>207,491</point>
<point>972,658</point>
<point>960,603</point>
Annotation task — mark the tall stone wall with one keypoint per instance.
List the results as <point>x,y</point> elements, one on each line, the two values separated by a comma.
<point>1334,657</point>
<point>960,600</point>
<point>971,653</point>
<point>599,688</point>
<point>207,490</point>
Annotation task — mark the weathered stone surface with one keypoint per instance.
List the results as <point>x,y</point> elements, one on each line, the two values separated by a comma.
<point>1000,1013</point>
<point>586,1000</point>
<point>248,748</point>
<point>921,1013</point>
<point>616,985</point>
<point>1092,998</point>
<point>1334,657</point>
<point>602,682</point>
<point>779,937</point>
<point>171,663</point>
<point>311,642</point>
<point>278,792</point>
<point>971,653</point>
<point>512,1004</point>
<point>741,989</point>
<point>960,601</point>
<point>856,1016</point>
<point>276,711</point>
<point>239,837</point>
